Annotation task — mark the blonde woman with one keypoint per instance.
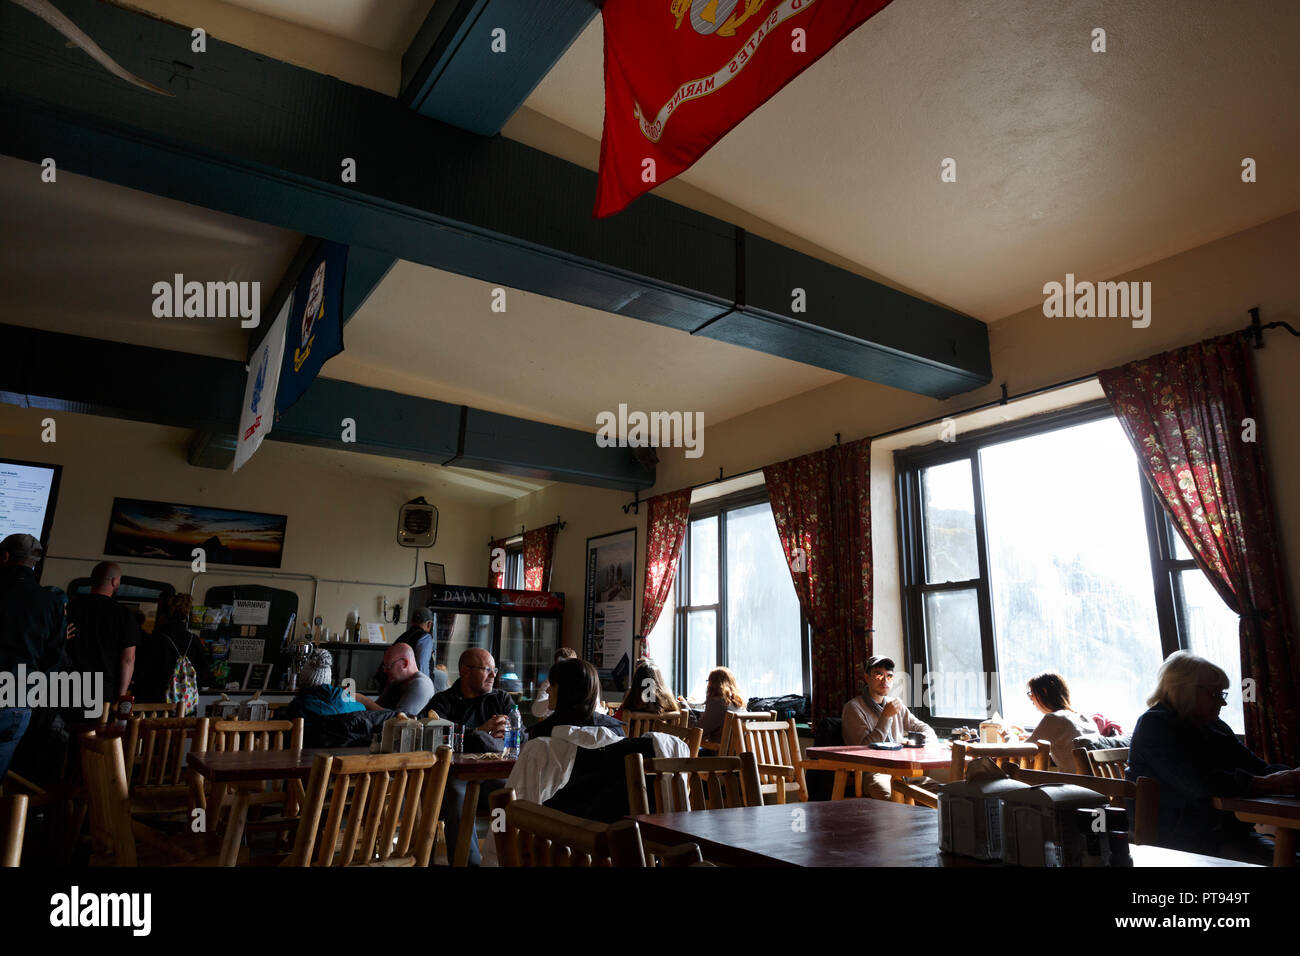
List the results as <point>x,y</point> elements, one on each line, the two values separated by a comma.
<point>720,696</point>
<point>1195,756</point>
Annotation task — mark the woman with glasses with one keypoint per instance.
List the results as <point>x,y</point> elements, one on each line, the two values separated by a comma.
<point>1195,756</point>
<point>1061,723</point>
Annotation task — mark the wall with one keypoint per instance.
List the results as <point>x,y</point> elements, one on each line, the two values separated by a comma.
<point>1195,295</point>
<point>341,525</point>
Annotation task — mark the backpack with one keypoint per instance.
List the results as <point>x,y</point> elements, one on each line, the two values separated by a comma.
<point>184,684</point>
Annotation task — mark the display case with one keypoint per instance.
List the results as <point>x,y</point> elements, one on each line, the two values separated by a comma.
<point>521,630</point>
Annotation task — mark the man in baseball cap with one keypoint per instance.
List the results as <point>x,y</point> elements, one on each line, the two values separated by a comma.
<point>32,629</point>
<point>875,717</point>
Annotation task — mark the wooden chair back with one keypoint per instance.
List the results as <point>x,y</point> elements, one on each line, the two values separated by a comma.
<point>1111,763</point>
<point>1035,755</point>
<point>536,836</point>
<point>108,800</point>
<point>1144,795</point>
<point>378,809</point>
<point>233,735</point>
<point>726,746</point>
<point>775,746</point>
<point>13,820</point>
<point>140,710</point>
<point>155,755</point>
<point>691,736</point>
<point>640,722</point>
<point>702,783</point>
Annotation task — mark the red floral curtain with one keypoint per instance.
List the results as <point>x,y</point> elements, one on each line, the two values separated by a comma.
<point>539,554</point>
<point>497,577</point>
<point>822,506</point>
<point>666,519</point>
<point>1186,414</point>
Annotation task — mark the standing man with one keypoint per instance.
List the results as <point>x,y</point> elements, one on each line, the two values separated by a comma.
<point>32,630</point>
<point>471,701</point>
<point>107,634</point>
<point>421,640</point>
<point>875,717</point>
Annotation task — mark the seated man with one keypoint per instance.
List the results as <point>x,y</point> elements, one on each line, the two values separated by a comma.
<point>407,690</point>
<point>875,717</point>
<point>472,702</point>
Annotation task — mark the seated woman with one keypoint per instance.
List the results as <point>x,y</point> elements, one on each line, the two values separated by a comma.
<point>721,695</point>
<point>1061,723</point>
<point>647,692</point>
<point>575,690</point>
<point>1195,756</point>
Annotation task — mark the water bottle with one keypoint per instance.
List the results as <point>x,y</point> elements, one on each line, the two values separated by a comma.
<point>514,731</point>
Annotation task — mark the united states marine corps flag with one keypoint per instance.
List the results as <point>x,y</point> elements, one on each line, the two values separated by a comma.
<point>679,74</point>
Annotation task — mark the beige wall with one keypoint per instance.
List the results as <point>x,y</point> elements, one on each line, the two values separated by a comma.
<point>340,526</point>
<point>1195,295</point>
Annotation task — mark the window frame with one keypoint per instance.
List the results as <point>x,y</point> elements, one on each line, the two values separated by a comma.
<point>718,507</point>
<point>908,466</point>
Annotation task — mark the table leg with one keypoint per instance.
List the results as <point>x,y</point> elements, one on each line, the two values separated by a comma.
<point>234,830</point>
<point>1284,847</point>
<point>841,779</point>
<point>467,814</point>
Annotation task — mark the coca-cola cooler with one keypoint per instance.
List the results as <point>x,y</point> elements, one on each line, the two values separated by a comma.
<point>521,629</point>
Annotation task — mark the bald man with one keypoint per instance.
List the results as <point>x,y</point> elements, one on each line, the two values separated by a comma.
<point>106,633</point>
<point>407,689</point>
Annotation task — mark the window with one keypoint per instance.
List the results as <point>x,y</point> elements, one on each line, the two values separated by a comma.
<point>514,578</point>
<point>734,604</point>
<point>1037,547</point>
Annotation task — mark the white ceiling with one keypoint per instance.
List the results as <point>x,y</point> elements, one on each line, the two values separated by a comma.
<point>1067,160</point>
<point>386,25</point>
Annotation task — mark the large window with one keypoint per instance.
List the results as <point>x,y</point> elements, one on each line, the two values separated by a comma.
<point>734,604</point>
<point>1038,547</point>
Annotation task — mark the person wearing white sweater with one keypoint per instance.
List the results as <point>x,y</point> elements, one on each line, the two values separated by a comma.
<point>875,717</point>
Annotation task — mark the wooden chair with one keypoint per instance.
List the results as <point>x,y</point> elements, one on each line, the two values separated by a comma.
<point>691,736</point>
<point>639,722</point>
<point>534,835</point>
<point>13,818</point>
<point>1111,764</point>
<point>253,735</point>
<point>702,783</point>
<point>156,770</point>
<point>1144,823</point>
<point>140,710</point>
<point>775,745</point>
<point>391,803</point>
<point>726,745</point>
<point>1031,756</point>
<point>116,839</point>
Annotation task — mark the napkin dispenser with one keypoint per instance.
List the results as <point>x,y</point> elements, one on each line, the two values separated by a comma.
<point>1039,824</point>
<point>401,735</point>
<point>970,816</point>
<point>433,733</point>
<point>255,708</point>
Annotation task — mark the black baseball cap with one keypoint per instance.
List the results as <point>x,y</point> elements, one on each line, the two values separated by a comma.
<point>874,662</point>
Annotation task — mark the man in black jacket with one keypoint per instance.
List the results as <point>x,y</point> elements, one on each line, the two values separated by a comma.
<point>32,630</point>
<point>471,701</point>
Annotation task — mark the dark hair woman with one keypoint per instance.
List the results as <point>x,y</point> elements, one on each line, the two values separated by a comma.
<point>1060,724</point>
<point>647,692</point>
<point>158,652</point>
<point>576,689</point>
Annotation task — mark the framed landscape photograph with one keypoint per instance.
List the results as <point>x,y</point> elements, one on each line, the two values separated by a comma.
<point>171,532</point>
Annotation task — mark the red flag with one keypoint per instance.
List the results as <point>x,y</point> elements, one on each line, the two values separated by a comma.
<point>679,74</point>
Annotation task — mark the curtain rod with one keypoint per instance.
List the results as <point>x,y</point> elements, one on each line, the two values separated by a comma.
<point>1255,329</point>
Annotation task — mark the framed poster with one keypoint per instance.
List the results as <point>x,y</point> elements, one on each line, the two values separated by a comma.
<point>156,529</point>
<point>258,676</point>
<point>434,573</point>
<point>608,610</point>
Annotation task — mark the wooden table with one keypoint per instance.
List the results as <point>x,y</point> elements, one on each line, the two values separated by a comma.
<point>1281,812</point>
<point>843,833</point>
<point>908,762</point>
<point>295,765</point>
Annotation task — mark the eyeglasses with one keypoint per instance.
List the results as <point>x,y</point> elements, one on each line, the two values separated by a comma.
<point>490,671</point>
<point>1222,695</point>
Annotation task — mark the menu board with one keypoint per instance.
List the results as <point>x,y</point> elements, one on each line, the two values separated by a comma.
<point>27,492</point>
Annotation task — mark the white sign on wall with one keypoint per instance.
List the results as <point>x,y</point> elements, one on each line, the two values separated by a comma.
<point>252,612</point>
<point>245,650</point>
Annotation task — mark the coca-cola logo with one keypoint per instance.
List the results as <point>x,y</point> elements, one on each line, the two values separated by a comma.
<point>533,601</point>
